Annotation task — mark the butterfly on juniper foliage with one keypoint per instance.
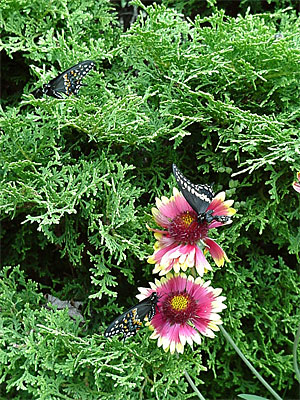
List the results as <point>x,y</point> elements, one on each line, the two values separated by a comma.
<point>131,320</point>
<point>68,82</point>
<point>199,197</point>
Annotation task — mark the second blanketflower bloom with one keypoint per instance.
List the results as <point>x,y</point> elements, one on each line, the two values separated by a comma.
<point>186,309</point>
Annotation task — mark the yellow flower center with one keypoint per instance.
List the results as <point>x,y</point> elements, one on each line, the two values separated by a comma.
<point>179,303</point>
<point>179,307</point>
<point>187,219</point>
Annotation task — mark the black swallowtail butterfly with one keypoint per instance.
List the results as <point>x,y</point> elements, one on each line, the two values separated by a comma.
<point>131,320</point>
<point>68,82</point>
<point>199,197</point>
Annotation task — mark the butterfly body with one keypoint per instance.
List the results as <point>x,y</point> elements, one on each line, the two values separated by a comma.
<point>199,197</point>
<point>131,320</point>
<point>68,82</point>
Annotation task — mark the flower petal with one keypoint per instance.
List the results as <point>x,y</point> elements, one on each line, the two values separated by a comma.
<point>296,185</point>
<point>217,253</point>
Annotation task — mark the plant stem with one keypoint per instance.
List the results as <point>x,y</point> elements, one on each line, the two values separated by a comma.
<point>249,365</point>
<point>190,381</point>
<point>193,386</point>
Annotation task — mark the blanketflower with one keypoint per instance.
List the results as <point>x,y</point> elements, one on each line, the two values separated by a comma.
<point>296,185</point>
<point>186,308</point>
<point>184,243</point>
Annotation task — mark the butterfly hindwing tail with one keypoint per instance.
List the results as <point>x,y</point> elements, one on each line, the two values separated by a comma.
<point>198,196</point>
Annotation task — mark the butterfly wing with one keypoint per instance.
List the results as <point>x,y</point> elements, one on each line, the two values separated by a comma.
<point>131,320</point>
<point>198,196</point>
<point>70,81</point>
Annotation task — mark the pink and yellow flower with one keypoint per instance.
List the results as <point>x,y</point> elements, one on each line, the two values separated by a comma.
<point>184,242</point>
<point>296,185</point>
<point>186,309</point>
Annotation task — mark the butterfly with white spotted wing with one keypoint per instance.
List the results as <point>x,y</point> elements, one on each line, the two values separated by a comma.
<point>131,320</point>
<point>199,197</point>
<point>68,82</point>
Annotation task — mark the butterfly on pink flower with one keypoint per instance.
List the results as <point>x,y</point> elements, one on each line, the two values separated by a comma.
<point>187,308</point>
<point>183,241</point>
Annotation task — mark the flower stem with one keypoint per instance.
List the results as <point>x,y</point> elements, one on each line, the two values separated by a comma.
<point>190,381</point>
<point>193,386</point>
<point>249,365</point>
<point>296,368</point>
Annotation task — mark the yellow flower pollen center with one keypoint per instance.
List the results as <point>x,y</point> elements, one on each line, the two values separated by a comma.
<point>187,219</point>
<point>179,303</point>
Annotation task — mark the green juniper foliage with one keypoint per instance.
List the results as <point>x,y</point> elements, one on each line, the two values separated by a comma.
<point>219,96</point>
<point>46,355</point>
